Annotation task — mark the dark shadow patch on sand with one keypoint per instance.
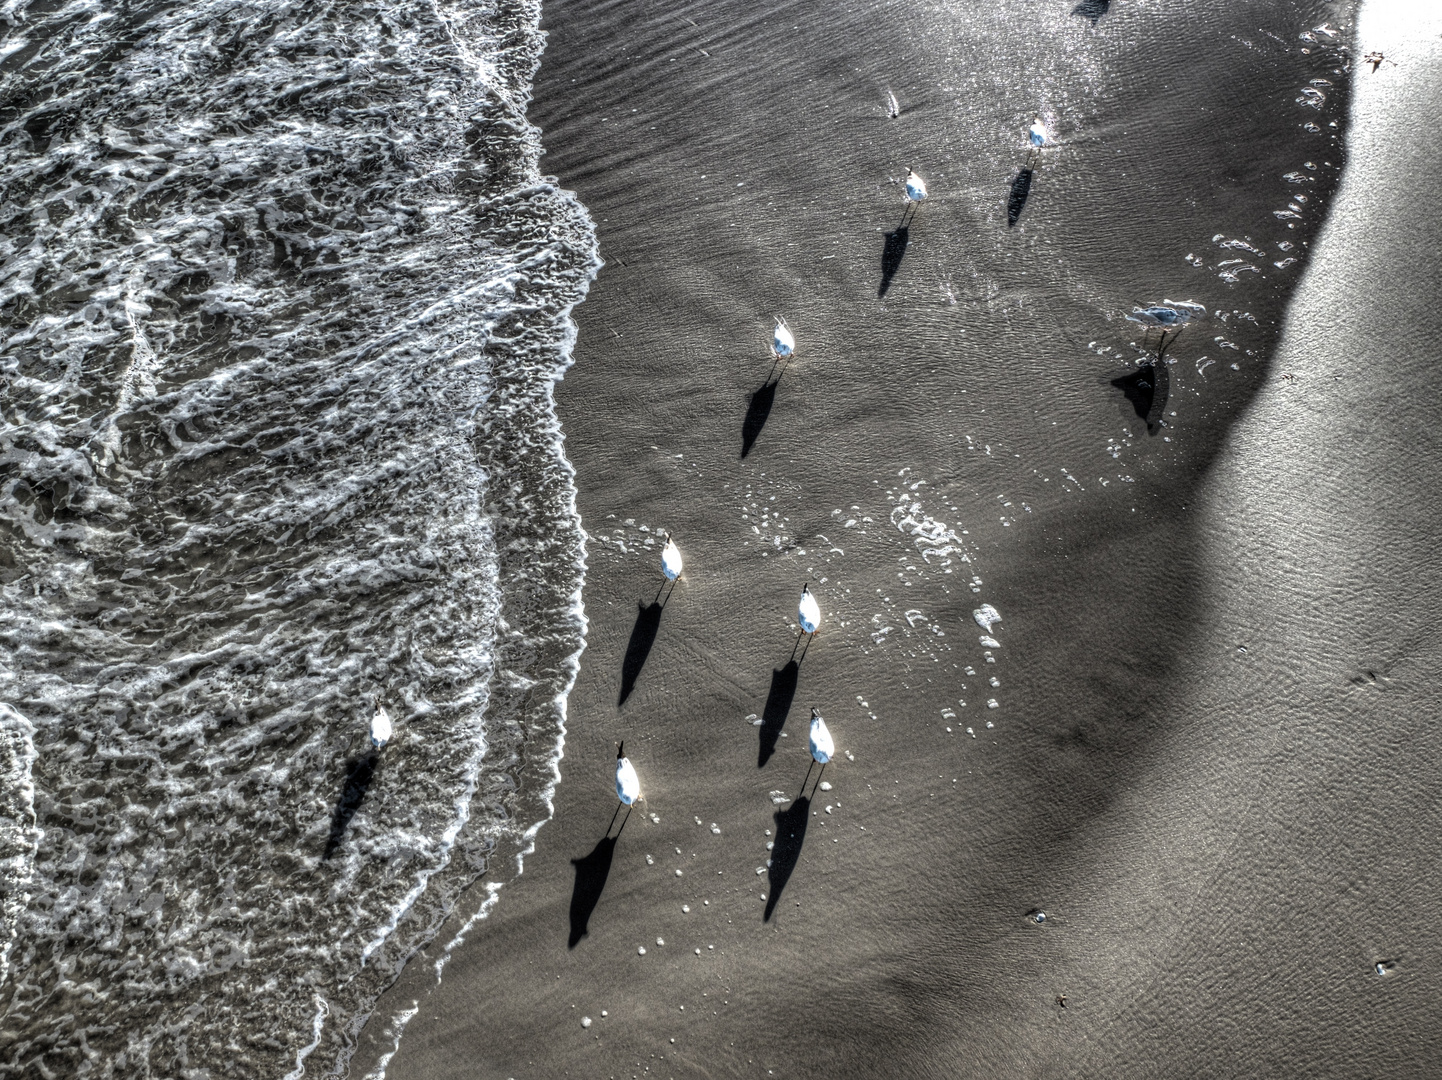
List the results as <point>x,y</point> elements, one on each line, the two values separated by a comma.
<point>1092,9</point>
<point>591,874</point>
<point>790,835</point>
<point>359,774</point>
<point>1147,389</point>
<point>778,704</point>
<point>892,252</point>
<point>643,636</point>
<point>1016,199</point>
<point>757,412</point>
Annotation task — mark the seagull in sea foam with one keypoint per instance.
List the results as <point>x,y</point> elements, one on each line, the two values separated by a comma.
<point>380,728</point>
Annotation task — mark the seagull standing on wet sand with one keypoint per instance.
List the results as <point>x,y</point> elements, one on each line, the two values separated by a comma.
<point>808,612</point>
<point>915,187</point>
<point>822,746</point>
<point>671,559</point>
<point>628,784</point>
<point>380,728</point>
<point>782,343</point>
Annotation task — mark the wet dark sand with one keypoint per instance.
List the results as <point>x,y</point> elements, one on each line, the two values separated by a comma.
<point>1212,763</point>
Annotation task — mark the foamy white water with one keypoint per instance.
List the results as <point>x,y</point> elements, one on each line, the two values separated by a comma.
<point>285,298</point>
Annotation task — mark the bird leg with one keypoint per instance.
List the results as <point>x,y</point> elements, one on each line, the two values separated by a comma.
<point>818,780</point>
<point>613,817</point>
<point>808,777</point>
<point>623,823</point>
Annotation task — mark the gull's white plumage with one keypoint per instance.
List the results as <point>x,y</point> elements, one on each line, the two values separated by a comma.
<point>628,784</point>
<point>915,187</point>
<point>808,612</point>
<point>380,728</point>
<point>671,560</point>
<point>782,343</point>
<point>822,746</point>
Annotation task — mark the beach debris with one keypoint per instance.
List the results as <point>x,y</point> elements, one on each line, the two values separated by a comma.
<point>715,829</point>
<point>380,728</point>
<point>808,612</point>
<point>671,559</point>
<point>985,617</point>
<point>1377,59</point>
<point>825,785</point>
<point>1037,916</point>
<point>783,344</point>
<point>777,798</point>
<point>893,107</point>
<point>1061,1000</point>
<point>585,1021</point>
<point>989,642</point>
<point>753,720</point>
<point>991,704</point>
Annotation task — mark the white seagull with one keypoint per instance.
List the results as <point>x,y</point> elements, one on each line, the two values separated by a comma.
<point>782,343</point>
<point>808,612</point>
<point>671,559</point>
<point>380,728</point>
<point>821,745</point>
<point>628,784</point>
<point>915,186</point>
<point>1037,133</point>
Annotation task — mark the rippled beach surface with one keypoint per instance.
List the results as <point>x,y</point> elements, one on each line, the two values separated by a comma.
<point>284,299</point>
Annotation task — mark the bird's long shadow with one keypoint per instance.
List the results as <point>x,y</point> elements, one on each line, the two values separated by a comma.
<point>643,636</point>
<point>778,704</point>
<point>757,411</point>
<point>360,772</point>
<point>591,873</point>
<point>892,253</point>
<point>1016,200</point>
<point>786,850</point>
<point>1092,9</point>
<point>1147,390</point>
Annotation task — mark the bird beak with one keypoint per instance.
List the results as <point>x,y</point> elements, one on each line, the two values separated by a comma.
<point>620,750</point>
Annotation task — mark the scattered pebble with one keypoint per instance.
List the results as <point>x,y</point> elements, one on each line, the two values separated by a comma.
<point>641,950</point>
<point>650,861</point>
<point>985,616</point>
<point>698,952</point>
<point>678,873</point>
<point>850,756</point>
<point>685,909</point>
<point>715,829</point>
<point>654,819</point>
<point>660,941</point>
<point>826,785</point>
<point>585,1021</point>
<point>603,1013</point>
<point>698,821</point>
